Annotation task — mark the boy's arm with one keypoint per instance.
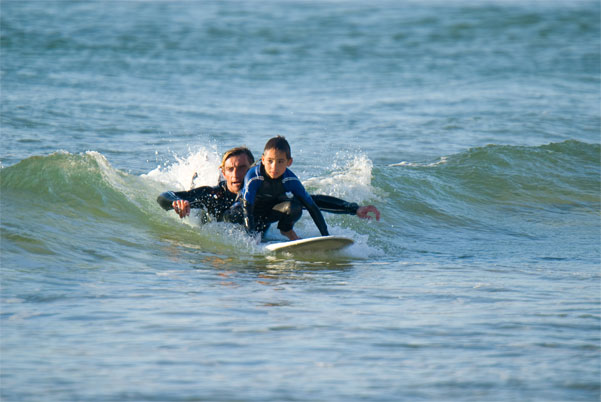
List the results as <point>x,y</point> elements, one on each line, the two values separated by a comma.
<point>309,204</point>
<point>249,217</point>
<point>252,182</point>
<point>317,217</point>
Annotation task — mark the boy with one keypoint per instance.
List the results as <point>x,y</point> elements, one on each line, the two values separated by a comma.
<point>268,192</point>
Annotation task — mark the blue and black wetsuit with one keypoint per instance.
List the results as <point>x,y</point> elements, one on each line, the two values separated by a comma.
<point>265,200</point>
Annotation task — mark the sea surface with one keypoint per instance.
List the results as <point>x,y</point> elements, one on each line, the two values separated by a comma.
<point>472,125</point>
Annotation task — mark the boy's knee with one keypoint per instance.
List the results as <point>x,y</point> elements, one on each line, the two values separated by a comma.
<point>291,211</point>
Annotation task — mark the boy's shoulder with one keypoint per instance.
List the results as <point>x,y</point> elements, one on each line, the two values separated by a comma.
<point>289,173</point>
<point>255,170</point>
<point>289,178</point>
<point>255,167</point>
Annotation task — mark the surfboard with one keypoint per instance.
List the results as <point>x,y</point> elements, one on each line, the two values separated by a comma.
<point>315,244</point>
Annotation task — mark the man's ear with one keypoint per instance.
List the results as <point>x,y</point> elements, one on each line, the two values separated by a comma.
<point>289,162</point>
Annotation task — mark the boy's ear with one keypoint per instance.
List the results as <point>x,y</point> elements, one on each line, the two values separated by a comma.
<point>289,162</point>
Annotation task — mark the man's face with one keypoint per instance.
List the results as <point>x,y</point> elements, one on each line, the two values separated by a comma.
<point>275,162</point>
<point>234,169</point>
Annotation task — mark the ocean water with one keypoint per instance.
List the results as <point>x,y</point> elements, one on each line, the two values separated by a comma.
<point>473,126</point>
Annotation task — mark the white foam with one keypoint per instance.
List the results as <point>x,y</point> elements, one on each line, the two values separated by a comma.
<point>198,168</point>
<point>350,179</point>
<point>360,249</point>
<point>441,161</point>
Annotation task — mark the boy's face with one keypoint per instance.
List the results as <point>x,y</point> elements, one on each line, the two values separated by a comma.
<point>275,162</point>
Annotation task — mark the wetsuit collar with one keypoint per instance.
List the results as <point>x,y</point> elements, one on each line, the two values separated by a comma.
<point>223,185</point>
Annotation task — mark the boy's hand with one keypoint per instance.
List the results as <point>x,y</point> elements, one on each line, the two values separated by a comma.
<point>363,212</point>
<point>181,207</point>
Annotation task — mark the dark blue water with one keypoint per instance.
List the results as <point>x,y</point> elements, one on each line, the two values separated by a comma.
<point>474,126</point>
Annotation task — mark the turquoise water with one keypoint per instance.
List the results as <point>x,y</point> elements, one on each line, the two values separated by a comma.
<point>474,126</point>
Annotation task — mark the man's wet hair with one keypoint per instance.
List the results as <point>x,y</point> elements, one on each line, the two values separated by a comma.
<point>235,152</point>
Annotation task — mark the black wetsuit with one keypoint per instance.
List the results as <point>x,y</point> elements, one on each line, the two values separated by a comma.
<point>216,202</point>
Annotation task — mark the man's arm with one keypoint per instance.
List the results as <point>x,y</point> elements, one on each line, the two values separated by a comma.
<point>169,200</point>
<point>338,206</point>
<point>334,205</point>
<point>182,201</point>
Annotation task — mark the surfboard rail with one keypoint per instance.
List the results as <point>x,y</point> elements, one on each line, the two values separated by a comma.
<point>315,244</point>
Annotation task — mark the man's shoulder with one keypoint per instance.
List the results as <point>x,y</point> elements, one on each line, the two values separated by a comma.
<point>221,188</point>
<point>201,192</point>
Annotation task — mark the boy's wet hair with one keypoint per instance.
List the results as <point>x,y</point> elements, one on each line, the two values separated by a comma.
<point>235,152</point>
<point>279,143</point>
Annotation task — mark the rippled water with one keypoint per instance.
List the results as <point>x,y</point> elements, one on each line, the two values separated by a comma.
<point>472,125</point>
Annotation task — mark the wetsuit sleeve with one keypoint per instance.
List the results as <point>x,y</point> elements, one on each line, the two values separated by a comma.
<point>299,191</point>
<point>248,216</point>
<point>197,198</point>
<point>334,205</point>
<point>166,199</point>
<point>252,183</point>
<point>317,217</point>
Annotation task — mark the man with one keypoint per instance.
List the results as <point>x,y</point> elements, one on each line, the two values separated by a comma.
<point>217,200</point>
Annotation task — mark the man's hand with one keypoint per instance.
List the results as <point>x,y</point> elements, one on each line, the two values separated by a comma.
<point>363,212</point>
<point>181,207</point>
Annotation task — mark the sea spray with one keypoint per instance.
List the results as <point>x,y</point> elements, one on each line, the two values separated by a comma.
<point>199,168</point>
<point>349,176</point>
